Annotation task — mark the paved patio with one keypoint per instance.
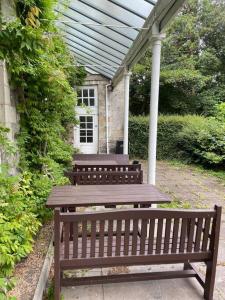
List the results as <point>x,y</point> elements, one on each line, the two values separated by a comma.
<point>186,185</point>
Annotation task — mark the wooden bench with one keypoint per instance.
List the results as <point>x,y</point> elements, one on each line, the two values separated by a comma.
<point>107,168</point>
<point>106,239</point>
<point>119,158</point>
<point>105,177</point>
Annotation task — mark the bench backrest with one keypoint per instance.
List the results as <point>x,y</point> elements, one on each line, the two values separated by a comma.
<point>119,158</point>
<point>116,168</point>
<point>137,236</point>
<point>105,177</point>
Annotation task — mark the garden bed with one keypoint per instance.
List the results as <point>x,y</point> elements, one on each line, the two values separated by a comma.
<point>27,272</point>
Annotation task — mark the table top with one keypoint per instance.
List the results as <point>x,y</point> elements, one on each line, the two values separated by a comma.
<point>97,195</point>
<point>95,162</point>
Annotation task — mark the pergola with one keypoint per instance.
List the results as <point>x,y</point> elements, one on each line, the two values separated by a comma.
<point>109,36</point>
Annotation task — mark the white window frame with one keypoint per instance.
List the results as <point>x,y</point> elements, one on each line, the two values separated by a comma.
<point>86,129</point>
<point>89,97</point>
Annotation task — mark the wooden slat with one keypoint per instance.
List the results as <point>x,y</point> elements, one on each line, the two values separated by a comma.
<point>191,227</point>
<point>110,235</point>
<point>101,238</point>
<point>206,234</point>
<point>123,214</point>
<point>118,158</point>
<point>198,234</point>
<point>138,259</point>
<point>75,239</point>
<point>134,237</point>
<point>159,236</point>
<point>118,237</point>
<point>167,235</point>
<point>93,238</point>
<point>127,277</point>
<point>183,235</point>
<point>144,224</point>
<point>84,238</point>
<point>126,237</point>
<point>151,236</point>
<point>175,235</point>
<point>66,239</point>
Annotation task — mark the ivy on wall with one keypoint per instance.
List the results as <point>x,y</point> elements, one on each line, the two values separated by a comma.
<point>43,75</point>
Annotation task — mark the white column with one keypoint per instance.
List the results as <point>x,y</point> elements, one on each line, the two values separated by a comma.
<point>154,100</point>
<point>126,110</point>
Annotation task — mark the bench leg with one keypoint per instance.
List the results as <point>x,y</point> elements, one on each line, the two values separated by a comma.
<point>57,278</point>
<point>187,266</point>
<point>209,280</point>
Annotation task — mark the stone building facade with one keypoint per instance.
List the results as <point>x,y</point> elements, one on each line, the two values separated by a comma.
<point>114,99</point>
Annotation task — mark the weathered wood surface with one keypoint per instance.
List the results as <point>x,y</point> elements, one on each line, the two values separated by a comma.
<point>100,195</point>
<point>95,162</point>
<point>105,177</point>
<point>119,158</point>
<point>141,237</point>
<point>100,166</point>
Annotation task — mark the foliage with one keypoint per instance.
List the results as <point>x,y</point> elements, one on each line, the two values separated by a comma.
<point>43,75</point>
<point>189,138</point>
<point>193,63</point>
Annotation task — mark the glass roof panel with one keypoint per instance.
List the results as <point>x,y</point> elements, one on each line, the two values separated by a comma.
<point>100,33</point>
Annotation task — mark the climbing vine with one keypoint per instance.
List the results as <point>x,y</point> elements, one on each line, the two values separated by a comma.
<point>43,75</point>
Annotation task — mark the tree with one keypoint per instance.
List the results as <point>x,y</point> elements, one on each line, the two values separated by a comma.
<point>193,63</point>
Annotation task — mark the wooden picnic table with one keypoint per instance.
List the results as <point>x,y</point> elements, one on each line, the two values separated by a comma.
<point>119,158</point>
<point>103,195</point>
<point>95,162</point>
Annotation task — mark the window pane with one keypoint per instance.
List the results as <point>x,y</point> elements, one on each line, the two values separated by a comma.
<point>82,119</point>
<point>89,139</point>
<point>89,132</point>
<point>92,102</point>
<point>85,101</point>
<point>82,132</point>
<point>91,93</point>
<point>82,139</point>
<point>85,93</point>
<point>89,119</point>
<point>79,102</point>
<point>83,125</point>
<point>79,93</point>
<point>89,125</point>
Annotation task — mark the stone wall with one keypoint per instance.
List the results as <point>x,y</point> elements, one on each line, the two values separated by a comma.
<point>115,110</point>
<point>8,9</point>
<point>116,115</point>
<point>8,114</point>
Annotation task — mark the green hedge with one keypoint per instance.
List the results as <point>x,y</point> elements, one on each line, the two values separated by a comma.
<point>189,138</point>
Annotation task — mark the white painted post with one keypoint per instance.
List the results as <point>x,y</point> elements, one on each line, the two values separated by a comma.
<point>154,100</point>
<point>126,110</point>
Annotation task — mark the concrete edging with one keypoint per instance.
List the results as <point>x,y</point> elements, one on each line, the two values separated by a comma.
<point>43,278</point>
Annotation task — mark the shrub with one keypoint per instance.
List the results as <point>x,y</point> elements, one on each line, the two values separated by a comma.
<point>189,138</point>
